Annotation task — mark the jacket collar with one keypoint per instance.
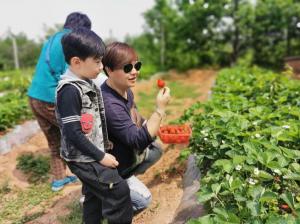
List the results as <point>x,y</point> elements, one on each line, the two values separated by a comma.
<point>69,76</point>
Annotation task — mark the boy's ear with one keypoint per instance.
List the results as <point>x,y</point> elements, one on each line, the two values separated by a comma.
<point>75,61</point>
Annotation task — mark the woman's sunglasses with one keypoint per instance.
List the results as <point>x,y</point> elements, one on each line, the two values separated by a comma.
<point>128,67</point>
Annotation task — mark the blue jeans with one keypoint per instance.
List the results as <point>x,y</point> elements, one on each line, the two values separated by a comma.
<point>139,193</point>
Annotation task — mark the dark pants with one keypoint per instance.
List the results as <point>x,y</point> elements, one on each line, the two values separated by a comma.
<point>107,195</point>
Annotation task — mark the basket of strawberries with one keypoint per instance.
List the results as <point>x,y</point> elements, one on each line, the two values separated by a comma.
<point>175,134</point>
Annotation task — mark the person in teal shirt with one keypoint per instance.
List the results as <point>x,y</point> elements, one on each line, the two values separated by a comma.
<point>50,66</point>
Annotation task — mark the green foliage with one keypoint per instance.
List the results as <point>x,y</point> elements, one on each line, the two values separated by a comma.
<point>14,102</point>
<point>37,167</point>
<point>28,52</point>
<point>275,32</point>
<point>185,34</point>
<point>184,154</point>
<point>246,140</point>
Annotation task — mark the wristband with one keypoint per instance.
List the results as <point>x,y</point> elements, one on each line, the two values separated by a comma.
<point>162,114</point>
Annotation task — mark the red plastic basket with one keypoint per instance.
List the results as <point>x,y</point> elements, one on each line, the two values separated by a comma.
<point>175,134</point>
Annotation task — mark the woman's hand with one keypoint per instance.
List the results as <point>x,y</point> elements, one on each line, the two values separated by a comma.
<point>109,161</point>
<point>163,98</point>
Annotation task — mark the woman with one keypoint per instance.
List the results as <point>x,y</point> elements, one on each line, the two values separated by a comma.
<point>131,135</point>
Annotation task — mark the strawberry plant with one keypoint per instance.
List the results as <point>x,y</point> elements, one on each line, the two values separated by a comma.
<point>246,140</point>
<point>13,99</point>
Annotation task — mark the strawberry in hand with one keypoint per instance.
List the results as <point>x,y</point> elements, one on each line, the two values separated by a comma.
<point>161,83</point>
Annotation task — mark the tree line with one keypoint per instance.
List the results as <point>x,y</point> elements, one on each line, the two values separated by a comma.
<point>185,34</point>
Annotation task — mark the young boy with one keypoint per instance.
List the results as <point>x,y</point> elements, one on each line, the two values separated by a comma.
<point>80,113</point>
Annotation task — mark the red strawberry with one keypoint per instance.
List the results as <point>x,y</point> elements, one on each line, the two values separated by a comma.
<point>160,83</point>
<point>284,206</point>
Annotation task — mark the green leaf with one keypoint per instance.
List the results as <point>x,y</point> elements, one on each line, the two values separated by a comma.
<point>264,175</point>
<point>292,154</point>
<point>224,216</point>
<point>295,167</point>
<point>238,159</point>
<point>216,188</point>
<point>205,197</point>
<point>225,164</point>
<point>256,192</point>
<point>202,220</point>
<point>254,207</point>
<point>288,198</point>
<point>268,196</point>
<point>292,176</point>
<point>236,183</point>
<point>274,165</point>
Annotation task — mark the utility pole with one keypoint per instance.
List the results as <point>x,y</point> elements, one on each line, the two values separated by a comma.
<point>15,48</point>
<point>162,45</point>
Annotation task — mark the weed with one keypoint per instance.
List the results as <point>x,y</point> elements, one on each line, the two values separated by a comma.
<point>35,166</point>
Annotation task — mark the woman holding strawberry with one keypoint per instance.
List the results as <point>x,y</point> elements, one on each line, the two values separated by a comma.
<point>131,135</point>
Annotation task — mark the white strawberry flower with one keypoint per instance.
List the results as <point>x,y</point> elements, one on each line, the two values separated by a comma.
<point>251,181</point>
<point>286,126</point>
<point>277,171</point>
<point>223,142</point>
<point>238,167</point>
<point>205,139</point>
<point>257,135</point>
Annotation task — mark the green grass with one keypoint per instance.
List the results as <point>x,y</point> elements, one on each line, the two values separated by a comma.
<point>75,216</point>
<point>13,208</point>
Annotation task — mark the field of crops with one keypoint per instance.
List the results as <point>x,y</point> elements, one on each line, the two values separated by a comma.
<point>13,100</point>
<point>247,140</point>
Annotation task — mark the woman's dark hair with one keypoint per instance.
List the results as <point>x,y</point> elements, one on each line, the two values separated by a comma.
<point>77,19</point>
<point>82,43</point>
<point>117,55</point>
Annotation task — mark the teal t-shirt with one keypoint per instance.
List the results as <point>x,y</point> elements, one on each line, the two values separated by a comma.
<point>45,78</point>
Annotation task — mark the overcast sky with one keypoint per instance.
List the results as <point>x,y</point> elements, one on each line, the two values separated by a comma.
<point>29,16</point>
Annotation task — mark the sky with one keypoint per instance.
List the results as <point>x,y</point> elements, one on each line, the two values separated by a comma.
<point>116,17</point>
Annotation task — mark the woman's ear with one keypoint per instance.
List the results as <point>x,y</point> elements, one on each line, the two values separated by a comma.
<point>108,70</point>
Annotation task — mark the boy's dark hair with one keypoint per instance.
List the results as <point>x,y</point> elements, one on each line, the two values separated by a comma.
<point>117,55</point>
<point>82,43</point>
<point>77,19</point>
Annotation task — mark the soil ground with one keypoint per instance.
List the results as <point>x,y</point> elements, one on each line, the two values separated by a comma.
<point>164,179</point>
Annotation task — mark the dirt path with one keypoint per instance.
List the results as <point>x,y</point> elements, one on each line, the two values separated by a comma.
<point>163,179</point>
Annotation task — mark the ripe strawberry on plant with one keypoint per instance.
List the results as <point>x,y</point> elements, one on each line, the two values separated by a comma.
<point>161,83</point>
<point>284,206</point>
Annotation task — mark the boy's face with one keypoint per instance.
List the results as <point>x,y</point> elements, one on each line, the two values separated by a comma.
<point>89,68</point>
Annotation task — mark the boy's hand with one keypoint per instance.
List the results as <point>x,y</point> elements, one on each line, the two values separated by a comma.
<point>109,161</point>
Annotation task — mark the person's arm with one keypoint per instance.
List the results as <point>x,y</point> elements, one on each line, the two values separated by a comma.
<point>69,107</point>
<point>155,119</point>
<point>121,126</point>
